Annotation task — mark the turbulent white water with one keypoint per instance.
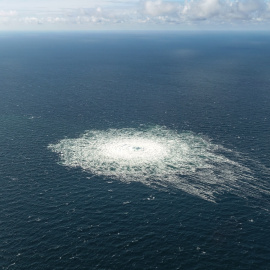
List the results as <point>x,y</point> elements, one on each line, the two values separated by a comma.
<point>159,157</point>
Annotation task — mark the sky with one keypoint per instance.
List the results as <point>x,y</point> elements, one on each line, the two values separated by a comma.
<point>27,15</point>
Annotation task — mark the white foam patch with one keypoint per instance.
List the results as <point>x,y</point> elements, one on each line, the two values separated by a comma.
<point>159,157</point>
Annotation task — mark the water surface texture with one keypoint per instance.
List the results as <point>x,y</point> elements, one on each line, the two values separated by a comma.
<point>135,151</point>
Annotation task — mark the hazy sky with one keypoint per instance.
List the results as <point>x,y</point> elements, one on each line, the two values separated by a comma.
<point>134,14</point>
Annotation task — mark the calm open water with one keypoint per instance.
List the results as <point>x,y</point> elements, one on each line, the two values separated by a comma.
<point>72,207</point>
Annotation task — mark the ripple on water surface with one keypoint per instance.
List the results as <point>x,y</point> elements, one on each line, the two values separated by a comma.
<point>159,157</point>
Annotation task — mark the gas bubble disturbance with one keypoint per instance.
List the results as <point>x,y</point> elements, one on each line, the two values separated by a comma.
<point>161,158</point>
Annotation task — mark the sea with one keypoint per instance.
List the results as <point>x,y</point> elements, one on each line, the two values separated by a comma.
<point>135,150</point>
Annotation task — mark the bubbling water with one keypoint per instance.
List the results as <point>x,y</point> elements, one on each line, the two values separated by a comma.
<point>160,158</point>
<point>137,150</point>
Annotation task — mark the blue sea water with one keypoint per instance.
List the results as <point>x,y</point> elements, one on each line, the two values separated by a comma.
<point>87,122</point>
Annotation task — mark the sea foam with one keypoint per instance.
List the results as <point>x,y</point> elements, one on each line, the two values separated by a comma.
<point>160,158</point>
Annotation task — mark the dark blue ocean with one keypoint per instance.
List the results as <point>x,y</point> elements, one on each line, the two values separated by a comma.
<point>135,150</point>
